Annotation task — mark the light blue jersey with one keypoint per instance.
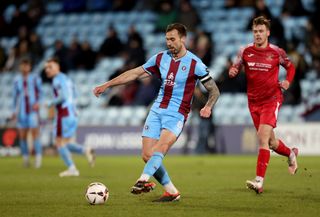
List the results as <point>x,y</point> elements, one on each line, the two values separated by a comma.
<point>26,93</point>
<point>179,78</point>
<point>64,100</point>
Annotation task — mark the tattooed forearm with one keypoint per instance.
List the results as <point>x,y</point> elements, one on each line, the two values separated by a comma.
<point>213,91</point>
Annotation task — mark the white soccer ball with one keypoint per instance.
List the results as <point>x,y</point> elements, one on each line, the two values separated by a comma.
<point>97,193</point>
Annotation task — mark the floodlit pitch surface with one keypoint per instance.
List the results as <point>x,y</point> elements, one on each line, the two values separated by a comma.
<point>210,186</point>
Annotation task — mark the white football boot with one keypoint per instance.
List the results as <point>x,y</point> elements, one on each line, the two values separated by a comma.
<point>255,185</point>
<point>38,161</point>
<point>69,172</point>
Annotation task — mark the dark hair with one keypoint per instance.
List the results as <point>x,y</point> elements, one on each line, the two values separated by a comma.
<point>25,61</point>
<point>54,59</point>
<point>261,21</point>
<point>182,29</point>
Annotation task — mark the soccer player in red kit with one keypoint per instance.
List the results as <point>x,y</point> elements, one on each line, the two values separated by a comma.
<point>261,61</point>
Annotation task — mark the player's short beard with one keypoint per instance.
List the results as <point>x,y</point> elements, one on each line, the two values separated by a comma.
<point>175,51</point>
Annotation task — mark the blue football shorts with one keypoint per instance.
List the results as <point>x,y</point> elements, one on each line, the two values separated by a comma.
<point>155,122</point>
<point>65,127</point>
<point>28,121</point>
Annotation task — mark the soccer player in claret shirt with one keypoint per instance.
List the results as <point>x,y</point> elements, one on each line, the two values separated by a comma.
<point>66,120</point>
<point>26,100</point>
<point>178,70</point>
<point>261,61</point>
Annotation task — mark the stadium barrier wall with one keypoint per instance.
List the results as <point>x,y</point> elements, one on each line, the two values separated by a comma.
<point>9,144</point>
<point>118,140</point>
<point>305,136</point>
<point>242,139</point>
<point>229,139</point>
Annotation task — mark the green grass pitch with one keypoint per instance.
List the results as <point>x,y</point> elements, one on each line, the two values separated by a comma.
<point>210,186</point>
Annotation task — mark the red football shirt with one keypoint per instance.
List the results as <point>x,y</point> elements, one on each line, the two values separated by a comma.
<point>261,67</point>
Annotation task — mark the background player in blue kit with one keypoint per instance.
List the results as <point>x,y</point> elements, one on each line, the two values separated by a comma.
<point>66,122</point>
<point>26,98</point>
<point>179,70</point>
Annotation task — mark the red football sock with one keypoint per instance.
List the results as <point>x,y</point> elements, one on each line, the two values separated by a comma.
<point>283,149</point>
<point>262,162</point>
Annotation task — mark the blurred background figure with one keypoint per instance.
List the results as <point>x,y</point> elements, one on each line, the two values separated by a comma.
<point>26,103</point>
<point>188,15</point>
<point>16,55</point>
<point>60,51</point>
<point>3,58</point>
<point>66,120</point>
<point>276,35</point>
<point>112,45</point>
<point>293,95</point>
<point>167,14</point>
<point>293,8</point>
<point>134,52</point>
<point>73,54</point>
<point>36,47</point>
<point>87,56</point>
<point>205,141</point>
<point>202,46</point>
<point>228,85</point>
<point>147,91</point>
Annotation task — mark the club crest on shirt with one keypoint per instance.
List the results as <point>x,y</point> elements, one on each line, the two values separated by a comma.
<point>170,80</point>
<point>269,57</point>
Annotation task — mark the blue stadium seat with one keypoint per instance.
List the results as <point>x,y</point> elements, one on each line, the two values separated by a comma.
<point>145,28</point>
<point>54,6</point>
<point>217,4</point>
<point>285,114</point>
<point>246,13</point>
<point>125,115</point>
<point>240,100</point>
<point>147,16</point>
<point>84,18</point>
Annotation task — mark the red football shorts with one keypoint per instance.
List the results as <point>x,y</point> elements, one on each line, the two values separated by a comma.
<point>266,113</point>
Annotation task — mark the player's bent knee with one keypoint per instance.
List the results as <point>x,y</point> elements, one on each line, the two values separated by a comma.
<point>162,149</point>
<point>145,157</point>
<point>59,142</point>
<point>273,145</point>
<point>58,145</point>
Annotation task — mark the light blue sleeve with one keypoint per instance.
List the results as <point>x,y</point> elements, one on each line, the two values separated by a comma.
<point>151,65</point>
<point>61,96</point>
<point>201,69</point>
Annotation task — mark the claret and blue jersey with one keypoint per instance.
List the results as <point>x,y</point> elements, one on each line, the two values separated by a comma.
<point>26,93</point>
<point>64,101</point>
<point>178,78</point>
<point>178,81</point>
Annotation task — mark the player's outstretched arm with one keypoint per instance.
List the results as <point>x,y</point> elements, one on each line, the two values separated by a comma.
<point>124,78</point>
<point>214,94</point>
